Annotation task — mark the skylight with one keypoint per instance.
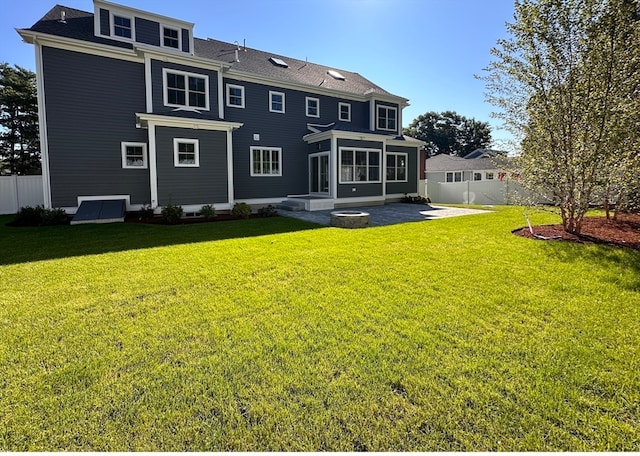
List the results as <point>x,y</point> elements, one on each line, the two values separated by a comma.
<point>278,62</point>
<point>336,75</point>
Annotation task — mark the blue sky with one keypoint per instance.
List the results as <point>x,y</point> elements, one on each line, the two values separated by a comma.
<point>425,50</point>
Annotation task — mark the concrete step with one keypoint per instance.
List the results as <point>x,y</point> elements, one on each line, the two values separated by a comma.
<point>291,205</point>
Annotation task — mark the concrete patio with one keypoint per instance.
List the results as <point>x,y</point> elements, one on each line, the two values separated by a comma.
<point>388,214</point>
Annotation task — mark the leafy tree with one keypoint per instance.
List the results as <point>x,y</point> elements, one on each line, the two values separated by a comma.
<point>19,140</point>
<point>450,133</point>
<point>567,82</point>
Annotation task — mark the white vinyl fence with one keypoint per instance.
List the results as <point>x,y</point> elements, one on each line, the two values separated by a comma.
<point>474,192</point>
<point>20,191</point>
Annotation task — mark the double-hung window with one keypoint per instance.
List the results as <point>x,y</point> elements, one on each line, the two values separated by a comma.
<point>397,167</point>
<point>454,176</point>
<point>235,96</point>
<point>134,155</point>
<point>387,118</point>
<point>186,90</point>
<point>359,165</point>
<point>313,107</point>
<point>122,27</point>
<point>266,161</point>
<point>276,101</point>
<point>344,112</point>
<point>170,37</point>
<point>186,152</point>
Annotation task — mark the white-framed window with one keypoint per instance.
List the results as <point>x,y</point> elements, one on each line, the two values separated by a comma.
<point>488,175</point>
<point>122,27</point>
<point>185,90</point>
<point>454,176</point>
<point>313,107</point>
<point>344,112</point>
<point>359,165</point>
<point>186,152</point>
<point>397,167</point>
<point>387,118</point>
<point>276,101</point>
<point>134,155</point>
<point>235,96</point>
<point>170,37</point>
<point>266,161</point>
<point>477,176</point>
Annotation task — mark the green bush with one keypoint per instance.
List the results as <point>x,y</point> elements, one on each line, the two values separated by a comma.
<point>171,213</point>
<point>54,217</point>
<point>39,216</point>
<point>242,210</point>
<point>208,211</point>
<point>267,211</point>
<point>145,212</point>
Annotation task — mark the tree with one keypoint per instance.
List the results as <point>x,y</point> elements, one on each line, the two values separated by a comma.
<point>19,140</point>
<point>567,82</point>
<point>449,133</point>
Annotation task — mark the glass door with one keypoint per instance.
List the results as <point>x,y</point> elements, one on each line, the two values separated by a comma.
<point>319,173</point>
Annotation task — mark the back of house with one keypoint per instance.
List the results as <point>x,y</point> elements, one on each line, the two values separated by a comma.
<point>134,107</point>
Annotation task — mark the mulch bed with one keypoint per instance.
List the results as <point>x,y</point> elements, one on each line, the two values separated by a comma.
<point>133,217</point>
<point>624,232</point>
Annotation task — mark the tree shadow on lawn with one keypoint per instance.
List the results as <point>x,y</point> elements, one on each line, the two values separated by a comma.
<point>602,255</point>
<point>26,244</point>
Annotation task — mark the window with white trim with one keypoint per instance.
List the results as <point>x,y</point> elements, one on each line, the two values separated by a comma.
<point>397,167</point>
<point>477,176</point>
<point>186,152</point>
<point>170,37</point>
<point>134,155</point>
<point>488,175</point>
<point>454,176</point>
<point>313,107</point>
<point>359,165</point>
<point>122,26</point>
<point>344,112</point>
<point>387,118</point>
<point>235,96</point>
<point>185,90</point>
<point>266,161</point>
<point>276,101</point>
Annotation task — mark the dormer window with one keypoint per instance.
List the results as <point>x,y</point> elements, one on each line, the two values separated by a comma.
<point>170,37</point>
<point>122,27</point>
<point>186,91</point>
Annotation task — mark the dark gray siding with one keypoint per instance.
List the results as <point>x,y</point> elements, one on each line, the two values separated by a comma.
<point>411,186</point>
<point>147,32</point>
<point>205,184</point>
<point>158,91</point>
<point>185,40</point>
<point>320,146</point>
<point>91,103</point>
<point>105,25</point>
<point>347,190</point>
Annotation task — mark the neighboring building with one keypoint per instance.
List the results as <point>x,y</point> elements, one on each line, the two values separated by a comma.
<point>456,180</point>
<point>134,107</point>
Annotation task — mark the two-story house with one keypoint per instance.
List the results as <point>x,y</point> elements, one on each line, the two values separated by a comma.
<point>134,107</point>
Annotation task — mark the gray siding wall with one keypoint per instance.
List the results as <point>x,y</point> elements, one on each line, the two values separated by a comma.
<point>411,186</point>
<point>90,105</point>
<point>361,190</point>
<point>158,91</point>
<point>147,31</point>
<point>206,184</point>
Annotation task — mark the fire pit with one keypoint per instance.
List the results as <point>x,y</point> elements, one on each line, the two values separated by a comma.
<point>350,219</point>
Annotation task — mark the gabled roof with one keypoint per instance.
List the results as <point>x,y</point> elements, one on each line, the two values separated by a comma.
<point>79,25</point>
<point>484,153</point>
<point>444,162</point>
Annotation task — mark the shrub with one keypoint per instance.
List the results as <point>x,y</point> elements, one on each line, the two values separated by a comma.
<point>38,216</point>
<point>268,211</point>
<point>145,212</point>
<point>54,217</point>
<point>171,213</point>
<point>208,211</point>
<point>415,199</point>
<point>242,210</point>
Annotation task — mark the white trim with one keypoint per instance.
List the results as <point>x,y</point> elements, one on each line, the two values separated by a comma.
<point>127,198</point>
<point>406,166</point>
<point>148,83</point>
<point>317,155</point>
<point>186,75</point>
<point>228,92</point>
<point>306,104</point>
<point>257,201</point>
<point>333,166</point>
<point>372,114</point>
<point>340,105</point>
<point>112,26</point>
<point>230,190</point>
<point>123,149</point>
<point>164,26</point>
<point>220,95</point>
<point>153,166</point>
<point>42,126</point>
<point>145,120</point>
<point>360,149</point>
<point>263,148</point>
<point>271,94</point>
<point>388,108</point>
<point>176,152</point>
<point>359,199</point>
<point>140,13</point>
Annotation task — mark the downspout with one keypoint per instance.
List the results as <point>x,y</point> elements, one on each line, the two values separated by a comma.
<point>153,169</point>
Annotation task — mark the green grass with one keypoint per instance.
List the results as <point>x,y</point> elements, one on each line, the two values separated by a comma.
<point>274,334</point>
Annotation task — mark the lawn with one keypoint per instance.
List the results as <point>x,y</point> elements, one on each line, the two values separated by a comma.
<point>274,334</point>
